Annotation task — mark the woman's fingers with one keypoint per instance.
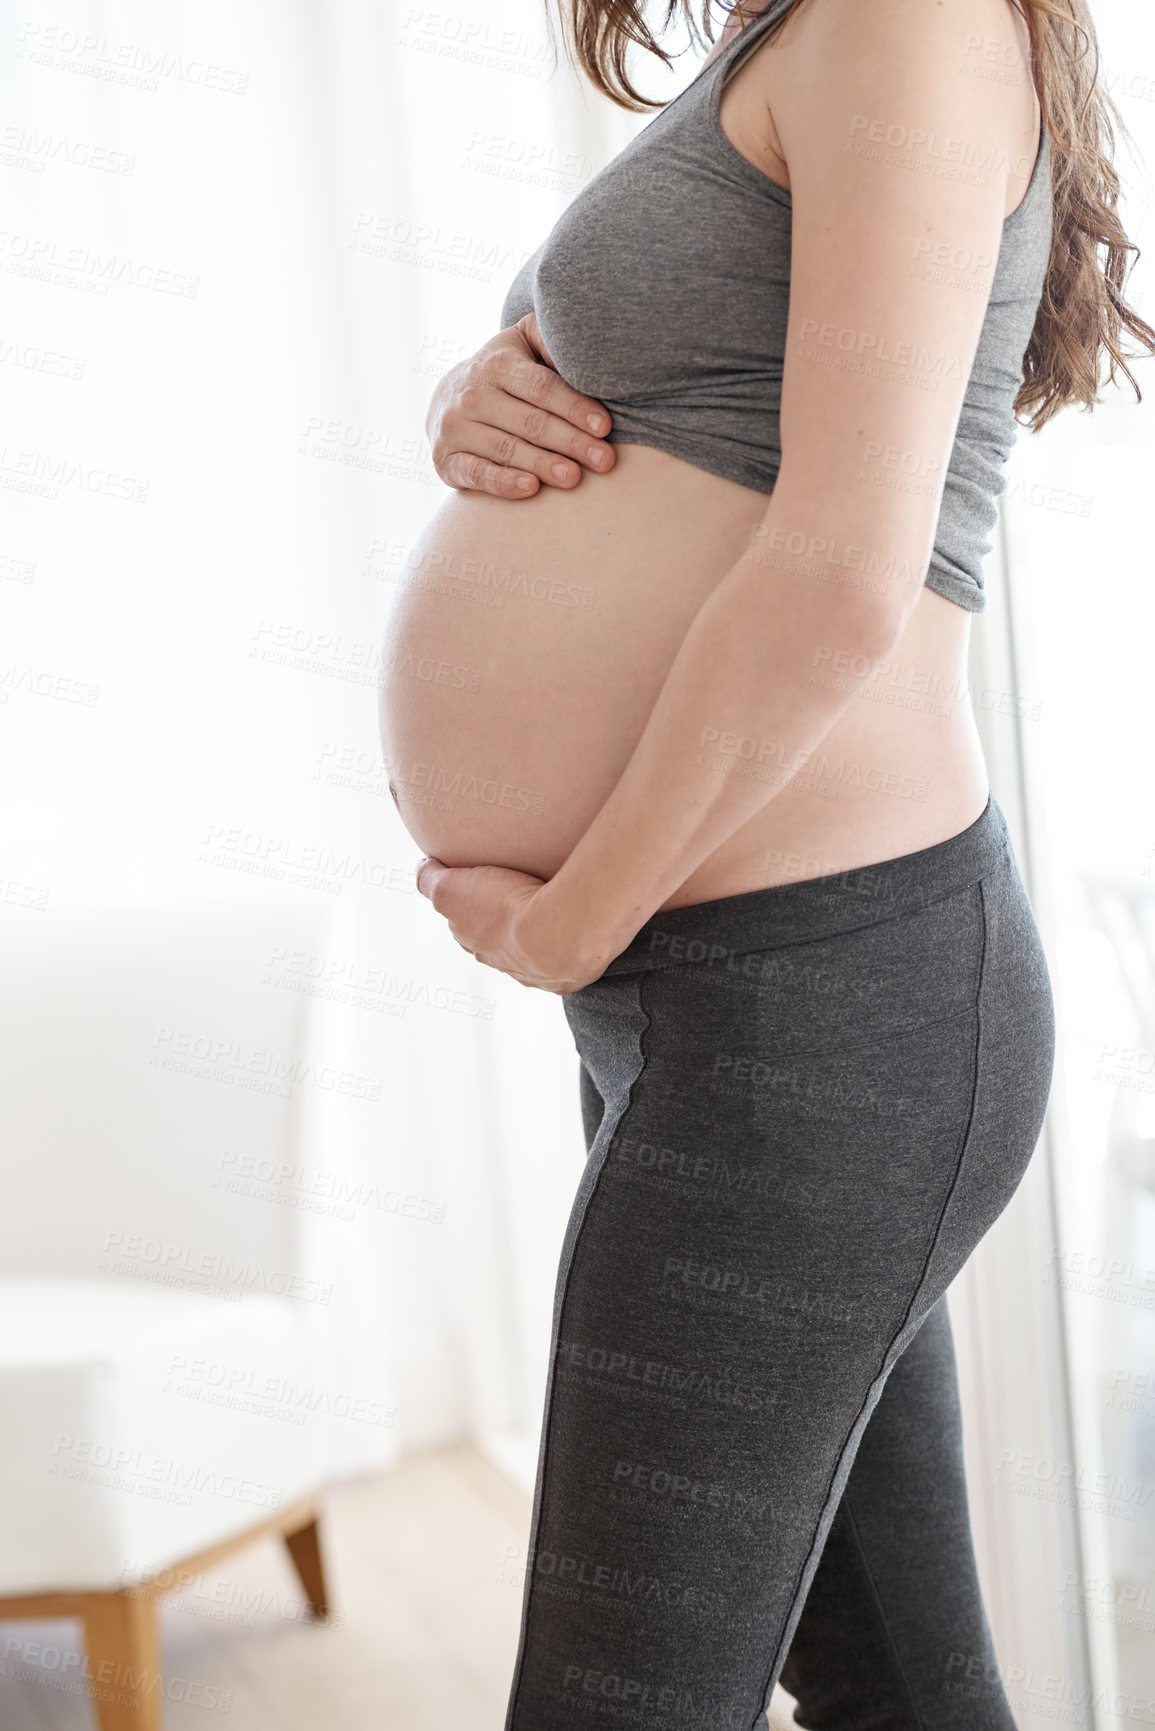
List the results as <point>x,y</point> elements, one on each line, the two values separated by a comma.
<point>492,423</point>
<point>506,423</point>
<point>518,393</point>
<point>471,473</point>
<point>548,389</point>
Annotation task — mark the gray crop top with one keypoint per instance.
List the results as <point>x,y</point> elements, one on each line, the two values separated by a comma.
<point>662,289</point>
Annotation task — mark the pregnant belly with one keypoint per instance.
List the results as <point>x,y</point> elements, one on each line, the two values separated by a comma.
<point>527,642</point>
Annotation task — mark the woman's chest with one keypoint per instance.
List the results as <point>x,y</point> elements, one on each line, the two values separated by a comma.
<point>670,268</point>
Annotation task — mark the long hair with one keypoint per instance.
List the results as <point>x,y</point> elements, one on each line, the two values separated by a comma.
<point>1083,314</point>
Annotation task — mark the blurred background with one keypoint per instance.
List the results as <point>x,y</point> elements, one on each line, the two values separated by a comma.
<point>280,1217</point>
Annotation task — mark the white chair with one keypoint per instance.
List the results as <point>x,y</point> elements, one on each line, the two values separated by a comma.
<point>163,1327</point>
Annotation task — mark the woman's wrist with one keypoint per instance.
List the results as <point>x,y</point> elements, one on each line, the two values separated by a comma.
<point>564,932</point>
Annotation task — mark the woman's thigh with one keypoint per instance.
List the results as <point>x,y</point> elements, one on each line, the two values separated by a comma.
<point>798,1147</point>
<point>893,1635</point>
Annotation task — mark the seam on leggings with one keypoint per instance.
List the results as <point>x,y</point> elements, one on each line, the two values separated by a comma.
<point>845,1505</point>
<point>531,1555</point>
<point>779,1656</point>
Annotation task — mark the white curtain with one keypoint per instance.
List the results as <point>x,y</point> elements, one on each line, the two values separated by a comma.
<point>238,246</point>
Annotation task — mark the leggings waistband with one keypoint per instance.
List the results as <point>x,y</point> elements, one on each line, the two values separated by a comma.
<point>813,908</point>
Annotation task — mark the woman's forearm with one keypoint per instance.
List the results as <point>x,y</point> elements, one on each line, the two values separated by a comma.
<point>736,718</point>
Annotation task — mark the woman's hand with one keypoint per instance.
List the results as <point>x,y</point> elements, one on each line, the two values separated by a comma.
<point>504,422</point>
<point>490,911</point>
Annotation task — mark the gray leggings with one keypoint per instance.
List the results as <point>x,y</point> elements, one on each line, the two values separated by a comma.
<point>804,1106</point>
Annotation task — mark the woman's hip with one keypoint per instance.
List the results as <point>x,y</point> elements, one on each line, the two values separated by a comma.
<point>843,960</point>
<point>834,1068</point>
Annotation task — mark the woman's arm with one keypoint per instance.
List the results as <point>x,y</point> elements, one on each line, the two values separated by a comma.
<point>893,151</point>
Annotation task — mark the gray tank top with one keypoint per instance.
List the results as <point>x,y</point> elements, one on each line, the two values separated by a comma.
<point>663,289</point>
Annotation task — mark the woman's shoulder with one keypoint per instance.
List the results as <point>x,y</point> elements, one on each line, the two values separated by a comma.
<point>943,88</point>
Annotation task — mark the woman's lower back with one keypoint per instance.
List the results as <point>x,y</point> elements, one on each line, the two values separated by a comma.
<point>529,640</point>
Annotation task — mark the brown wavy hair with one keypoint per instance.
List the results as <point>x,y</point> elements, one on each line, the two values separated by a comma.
<point>1083,314</point>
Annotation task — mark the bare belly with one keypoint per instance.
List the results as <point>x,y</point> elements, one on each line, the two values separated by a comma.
<point>527,642</point>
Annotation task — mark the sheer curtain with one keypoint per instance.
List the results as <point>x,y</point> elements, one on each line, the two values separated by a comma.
<point>238,246</point>
<point>1054,1362</point>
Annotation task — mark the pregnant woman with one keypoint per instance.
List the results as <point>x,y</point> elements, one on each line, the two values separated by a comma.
<point>703,762</point>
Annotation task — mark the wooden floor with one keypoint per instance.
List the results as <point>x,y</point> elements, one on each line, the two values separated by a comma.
<point>426,1566</point>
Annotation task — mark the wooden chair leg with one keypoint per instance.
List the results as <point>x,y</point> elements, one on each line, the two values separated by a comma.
<point>124,1661</point>
<point>304,1548</point>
